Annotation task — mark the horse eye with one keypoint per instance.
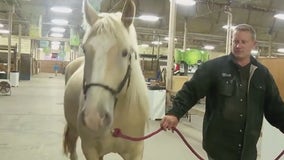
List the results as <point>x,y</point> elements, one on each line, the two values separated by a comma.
<point>124,53</point>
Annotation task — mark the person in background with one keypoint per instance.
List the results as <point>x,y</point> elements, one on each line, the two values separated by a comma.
<point>239,91</point>
<point>56,68</point>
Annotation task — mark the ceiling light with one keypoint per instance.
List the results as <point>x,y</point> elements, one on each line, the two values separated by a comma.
<point>186,2</point>
<point>144,45</point>
<point>59,21</point>
<point>280,50</point>
<point>209,47</point>
<point>167,38</point>
<point>58,35</point>
<point>4,31</point>
<point>1,25</point>
<point>61,9</point>
<point>149,18</point>
<point>156,42</point>
<point>279,16</point>
<point>57,29</point>
<point>55,43</point>
<point>226,27</point>
<point>254,52</point>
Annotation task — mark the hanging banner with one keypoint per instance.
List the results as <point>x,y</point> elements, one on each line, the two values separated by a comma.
<point>34,31</point>
<point>35,28</point>
<point>43,44</point>
<point>74,37</point>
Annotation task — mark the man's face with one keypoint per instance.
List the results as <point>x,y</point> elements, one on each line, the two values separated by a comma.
<point>243,43</point>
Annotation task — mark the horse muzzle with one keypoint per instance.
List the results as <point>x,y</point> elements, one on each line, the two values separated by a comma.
<point>95,121</point>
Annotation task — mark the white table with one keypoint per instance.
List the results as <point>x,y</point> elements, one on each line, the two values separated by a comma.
<point>157,102</point>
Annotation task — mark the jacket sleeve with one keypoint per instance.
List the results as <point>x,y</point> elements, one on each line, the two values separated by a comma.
<point>192,91</point>
<point>274,106</point>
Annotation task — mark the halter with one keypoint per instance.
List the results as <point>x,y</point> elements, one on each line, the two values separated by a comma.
<point>113,92</point>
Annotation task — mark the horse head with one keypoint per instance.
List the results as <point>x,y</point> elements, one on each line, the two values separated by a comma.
<point>109,46</point>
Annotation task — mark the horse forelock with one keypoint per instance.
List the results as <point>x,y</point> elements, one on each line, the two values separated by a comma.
<point>111,24</point>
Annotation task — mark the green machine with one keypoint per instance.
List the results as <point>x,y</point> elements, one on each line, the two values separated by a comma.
<point>191,57</point>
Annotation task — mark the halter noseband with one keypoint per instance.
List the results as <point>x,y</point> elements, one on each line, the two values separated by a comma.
<point>114,92</point>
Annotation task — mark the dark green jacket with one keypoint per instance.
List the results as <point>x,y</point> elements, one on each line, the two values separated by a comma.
<point>224,137</point>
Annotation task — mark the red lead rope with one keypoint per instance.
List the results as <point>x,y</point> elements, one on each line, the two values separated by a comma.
<point>280,155</point>
<point>117,133</point>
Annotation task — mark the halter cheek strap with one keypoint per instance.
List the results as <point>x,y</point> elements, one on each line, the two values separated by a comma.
<point>114,92</point>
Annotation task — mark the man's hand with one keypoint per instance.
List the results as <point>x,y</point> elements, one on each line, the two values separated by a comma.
<point>169,122</point>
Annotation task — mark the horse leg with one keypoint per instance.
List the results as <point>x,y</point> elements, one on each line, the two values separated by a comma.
<point>69,144</point>
<point>135,154</point>
<point>90,152</point>
<point>132,156</point>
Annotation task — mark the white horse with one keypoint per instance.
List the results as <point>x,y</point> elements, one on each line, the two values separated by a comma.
<point>108,90</point>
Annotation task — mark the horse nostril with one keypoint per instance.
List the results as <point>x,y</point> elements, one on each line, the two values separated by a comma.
<point>106,119</point>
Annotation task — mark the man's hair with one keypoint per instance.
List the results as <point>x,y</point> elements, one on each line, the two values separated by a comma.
<point>246,27</point>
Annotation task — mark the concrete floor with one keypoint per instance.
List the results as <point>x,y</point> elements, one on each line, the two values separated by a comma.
<point>32,123</point>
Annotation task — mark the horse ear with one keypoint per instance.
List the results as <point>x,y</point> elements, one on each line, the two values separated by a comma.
<point>90,14</point>
<point>128,13</point>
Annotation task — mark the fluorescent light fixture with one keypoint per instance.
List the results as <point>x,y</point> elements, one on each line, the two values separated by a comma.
<point>186,2</point>
<point>156,42</point>
<point>209,47</point>
<point>167,39</point>
<point>61,9</point>
<point>57,29</point>
<point>55,46</point>
<point>226,27</point>
<point>59,21</point>
<point>55,43</point>
<point>254,52</point>
<point>144,45</point>
<point>1,25</point>
<point>58,35</point>
<point>4,31</point>
<point>280,50</point>
<point>279,16</point>
<point>149,18</point>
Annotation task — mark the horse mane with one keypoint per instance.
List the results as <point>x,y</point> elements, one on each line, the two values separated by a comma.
<point>110,23</point>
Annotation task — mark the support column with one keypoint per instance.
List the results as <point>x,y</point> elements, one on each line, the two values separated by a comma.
<point>185,65</point>
<point>229,29</point>
<point>171,49</point>
<point>270,46</point>
<point>19,47</point>
<point>10,24</point>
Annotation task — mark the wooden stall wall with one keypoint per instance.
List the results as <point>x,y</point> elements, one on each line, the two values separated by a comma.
<point>276,68</point>
<point>46,66</point>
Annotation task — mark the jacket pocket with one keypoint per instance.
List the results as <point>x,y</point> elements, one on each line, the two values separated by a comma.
<point>258,90</point>
<point>227,87</point>
<point>259,87</point>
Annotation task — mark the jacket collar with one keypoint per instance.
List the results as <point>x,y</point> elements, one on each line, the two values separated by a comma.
<point>252,59</point>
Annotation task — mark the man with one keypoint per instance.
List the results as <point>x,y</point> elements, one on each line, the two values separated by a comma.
<point>239,91</point>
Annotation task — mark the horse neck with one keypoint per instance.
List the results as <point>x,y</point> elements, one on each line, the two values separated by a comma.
<point>135,99</point>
